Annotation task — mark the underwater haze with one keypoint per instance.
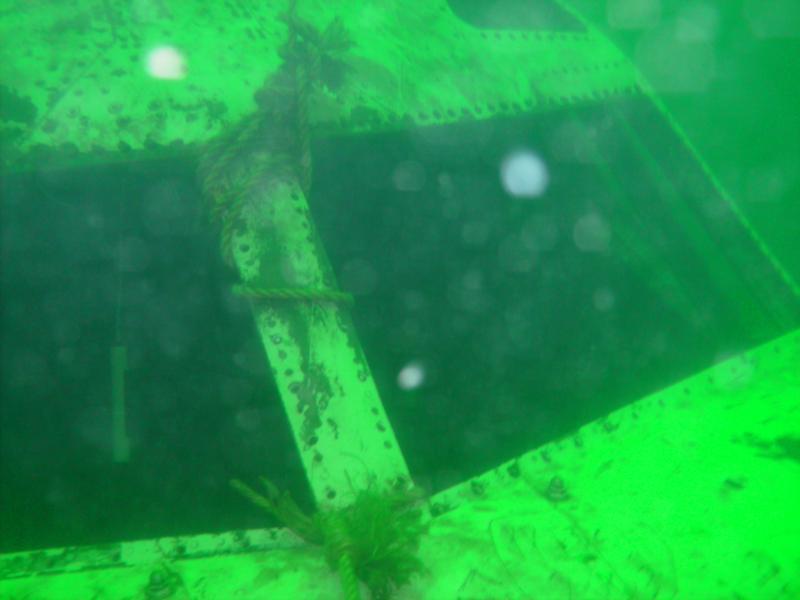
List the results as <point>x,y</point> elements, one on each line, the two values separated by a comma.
<point>507,279</point>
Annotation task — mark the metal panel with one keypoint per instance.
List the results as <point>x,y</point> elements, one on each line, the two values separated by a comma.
<point>689,493</point>
<point>75,77</point>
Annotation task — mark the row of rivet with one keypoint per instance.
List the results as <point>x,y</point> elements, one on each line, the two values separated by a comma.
<point>502,106</point>
<point>449,115</point>
<point>549,36</point>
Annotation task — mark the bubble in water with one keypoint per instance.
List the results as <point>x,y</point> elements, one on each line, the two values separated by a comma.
<point>414,300</point>
<point>475,233</point>
<point>675,59</point>
<point>772,18</point>
<point>591,233</point>
<point>770,183</point>
<point>515,256</point>
<point>167,208</point>
<point>472,279</point>
<point>697,23</point>
<point>575,141</point>
<point>524,174</point>
<point>409,176</point>
<point>359,277</point>
<point>539,233</point>
<point>133,255</point>
<point>250,419</point>
<point>633,14</point>
<point>604,299</point>
<point>166,62</point>
<point>446,185</point>
<point>411,376</point>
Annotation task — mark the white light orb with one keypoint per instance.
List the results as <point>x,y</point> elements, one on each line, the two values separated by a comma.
<point>166,62</point>
<point>411,376</point>
<point>524,174</point>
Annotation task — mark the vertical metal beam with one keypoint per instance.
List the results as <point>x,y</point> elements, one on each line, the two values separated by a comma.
<point>344,437</point>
